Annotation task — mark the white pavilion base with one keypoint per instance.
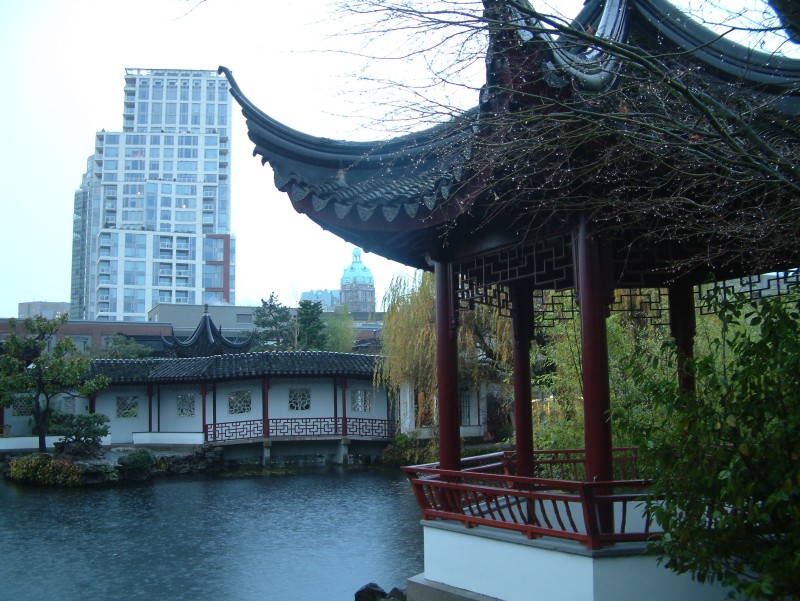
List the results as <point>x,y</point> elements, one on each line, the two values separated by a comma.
<point>486,564</point>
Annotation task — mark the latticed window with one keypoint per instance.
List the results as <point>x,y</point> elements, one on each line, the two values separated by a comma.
<point>127,407</point>
<point>465,398</point>
<point>69,404</point>
<point>299,399</point>
<point>186,405</point>
<point>361,399</point>
<point>22,407</point>
<point>239,401</point>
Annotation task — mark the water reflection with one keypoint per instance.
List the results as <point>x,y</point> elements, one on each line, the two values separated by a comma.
<point>317,534</point>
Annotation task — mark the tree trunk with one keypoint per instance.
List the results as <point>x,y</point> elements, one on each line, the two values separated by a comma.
<point>40,415</point>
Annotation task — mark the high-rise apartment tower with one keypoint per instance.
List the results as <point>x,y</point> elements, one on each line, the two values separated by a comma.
<point>152,214</point>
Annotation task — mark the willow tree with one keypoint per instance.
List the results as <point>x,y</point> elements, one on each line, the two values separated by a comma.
<point>409,341</point>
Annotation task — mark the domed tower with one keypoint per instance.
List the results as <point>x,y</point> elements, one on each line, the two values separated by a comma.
<point>357,291</point>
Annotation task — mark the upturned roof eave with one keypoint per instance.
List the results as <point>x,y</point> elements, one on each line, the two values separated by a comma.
<point>273,137</point>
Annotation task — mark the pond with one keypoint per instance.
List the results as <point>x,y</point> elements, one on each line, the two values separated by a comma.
<point>316,534</point>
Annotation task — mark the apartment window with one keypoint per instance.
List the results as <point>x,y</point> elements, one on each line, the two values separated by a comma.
<point>112,151</point>
<point>239,401</point>
<point>213,276</point>
<point>165,296</point>
<point>361,400</point>
<point>133,300</point>
<point>187,140</point>
<point>135,245</point>
<point>213,249</point>
<point>134,273</point>
<point>187,165</point>
<point>127,407</point>
<point>299,399</point>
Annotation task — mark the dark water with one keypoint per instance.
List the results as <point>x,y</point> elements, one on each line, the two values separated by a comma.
<point>316,534</point>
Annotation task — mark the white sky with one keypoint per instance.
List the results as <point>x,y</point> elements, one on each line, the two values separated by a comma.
<point>63,65</point>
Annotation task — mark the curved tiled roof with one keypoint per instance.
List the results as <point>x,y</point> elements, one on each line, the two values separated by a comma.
<point>400,197</point>
<point>234,367</point>
<point>207,339</point>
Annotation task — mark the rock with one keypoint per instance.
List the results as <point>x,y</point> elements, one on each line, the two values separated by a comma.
<point>370,592</point>
<point>397,594</point>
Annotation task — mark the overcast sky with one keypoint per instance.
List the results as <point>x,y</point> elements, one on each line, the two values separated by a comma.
<point>63,65</point>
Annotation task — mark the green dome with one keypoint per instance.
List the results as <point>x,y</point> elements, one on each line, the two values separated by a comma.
<point>357,273</point>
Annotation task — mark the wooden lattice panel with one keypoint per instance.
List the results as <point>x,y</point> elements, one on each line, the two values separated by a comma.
<point>751,288</point>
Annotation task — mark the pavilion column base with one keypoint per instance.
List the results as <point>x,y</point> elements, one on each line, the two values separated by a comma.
<point>484,564</point>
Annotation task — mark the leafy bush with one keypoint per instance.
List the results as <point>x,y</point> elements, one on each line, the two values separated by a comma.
<point>140,459</point>
<point>410,449</point>
<point>43,470</point>
<point>83,434</point>
<point>725,460</point>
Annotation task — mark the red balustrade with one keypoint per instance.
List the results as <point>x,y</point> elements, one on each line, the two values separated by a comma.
<point>290,427</point>
<point>485,492</point>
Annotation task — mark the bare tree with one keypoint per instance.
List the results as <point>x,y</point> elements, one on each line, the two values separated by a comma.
<point>639,134</point>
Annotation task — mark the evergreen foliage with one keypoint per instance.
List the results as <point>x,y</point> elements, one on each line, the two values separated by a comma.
<point>311,334</point>
<point>36,367</point>
<point>275,326</point>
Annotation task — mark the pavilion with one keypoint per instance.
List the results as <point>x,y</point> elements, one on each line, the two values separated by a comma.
<point>493,206</point>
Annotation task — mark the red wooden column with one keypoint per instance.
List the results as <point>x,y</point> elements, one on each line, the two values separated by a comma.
<point>344,406</point>
<point>522,329</point>
<point>149,408</point>
<point>335,407</point>
<point>265,406</point>
<point>682,325</point>
<point>214,411</point>
<point>593,297</point>
<point>447,368</point>
<point>203,391</point>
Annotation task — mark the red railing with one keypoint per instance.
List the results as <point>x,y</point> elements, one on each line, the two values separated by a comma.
<point>487,493</point>
<point>290,427</point>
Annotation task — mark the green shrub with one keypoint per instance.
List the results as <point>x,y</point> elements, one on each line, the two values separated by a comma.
<point>43,470</point>
<point>140,459</point>
<point>409,449</point>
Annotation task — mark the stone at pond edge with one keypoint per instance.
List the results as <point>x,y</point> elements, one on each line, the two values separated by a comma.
<point>396,594</point>
<point>370,592</point>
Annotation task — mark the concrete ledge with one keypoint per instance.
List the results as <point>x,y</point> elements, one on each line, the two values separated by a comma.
<point>419,588</point>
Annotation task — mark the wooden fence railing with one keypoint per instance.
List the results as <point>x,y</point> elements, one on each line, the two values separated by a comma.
<point>291,427</point>
<point>485,492</point>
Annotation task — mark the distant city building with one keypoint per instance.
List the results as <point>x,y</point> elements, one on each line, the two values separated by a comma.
<point>234,322</point>
<point>357,289</point>
<point>46,309</point>
<point>152,215</point>
<point>329,299</point>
